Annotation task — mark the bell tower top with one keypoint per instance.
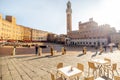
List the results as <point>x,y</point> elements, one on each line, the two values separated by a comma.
<point>69,4</point>
<point>69,10</point>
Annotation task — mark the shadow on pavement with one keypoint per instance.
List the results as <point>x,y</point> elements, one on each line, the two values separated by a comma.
<point>36,58</point>
<point>47,56</point>
<point>106,78</point>
<point>53,56</point>
<point>80,55</point>
<point>94,55</point>
<point>18,57</point>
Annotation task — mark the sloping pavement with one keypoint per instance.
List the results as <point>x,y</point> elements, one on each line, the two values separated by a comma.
<point>32,67</point>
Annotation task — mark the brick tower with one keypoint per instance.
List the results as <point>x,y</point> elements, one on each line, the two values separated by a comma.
<point>69,17</point>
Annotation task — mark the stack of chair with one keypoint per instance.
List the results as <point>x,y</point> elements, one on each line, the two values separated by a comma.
<point>92,66</point>
<point>53,77</point>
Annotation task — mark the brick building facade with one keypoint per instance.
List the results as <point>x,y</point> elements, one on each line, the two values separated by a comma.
<point>89,33</point>
<point>10,31</point>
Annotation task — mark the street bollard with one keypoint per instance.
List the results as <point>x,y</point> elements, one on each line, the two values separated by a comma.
<point>40,52</point>
<point>13,53</point>
<point>62,51</point>
<point>84,50</point>
<point>14,50</point>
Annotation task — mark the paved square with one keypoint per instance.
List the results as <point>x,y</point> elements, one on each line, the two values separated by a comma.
<point>32,67</point>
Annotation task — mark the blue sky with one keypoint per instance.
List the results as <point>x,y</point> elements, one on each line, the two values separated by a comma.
<point>50,15</point>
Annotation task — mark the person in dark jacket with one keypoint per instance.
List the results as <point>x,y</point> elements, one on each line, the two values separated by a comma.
<point>36,49</point>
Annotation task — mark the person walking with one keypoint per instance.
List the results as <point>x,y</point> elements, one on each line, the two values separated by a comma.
<point>36,49</point>
<point>105,47</point>
<point>96,48</point>
<point>101,50</point>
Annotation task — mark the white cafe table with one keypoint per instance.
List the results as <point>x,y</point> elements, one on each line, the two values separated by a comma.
<point>100,63</point>
<point>68,74</point>
<point>99,78</point>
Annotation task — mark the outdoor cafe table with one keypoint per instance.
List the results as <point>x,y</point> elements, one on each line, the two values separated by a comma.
<point>68,74</point>
<point>100,64</point>
<point>99,78</point>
